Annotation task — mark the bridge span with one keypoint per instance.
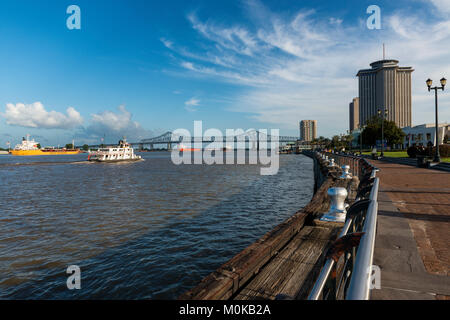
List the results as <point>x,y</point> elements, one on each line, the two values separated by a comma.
<point>252,137</point>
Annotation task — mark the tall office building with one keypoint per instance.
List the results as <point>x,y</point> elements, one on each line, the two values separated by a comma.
<point>354,114</point>
<point>385,86</point>
<point>308,130</point>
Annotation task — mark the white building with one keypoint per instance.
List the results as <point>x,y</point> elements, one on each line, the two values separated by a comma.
<point>422,134</point>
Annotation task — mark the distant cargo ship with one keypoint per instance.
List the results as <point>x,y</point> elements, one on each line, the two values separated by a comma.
<point>30,148</point>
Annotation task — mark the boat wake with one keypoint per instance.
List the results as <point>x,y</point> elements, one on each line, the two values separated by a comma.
<point>41,163</point>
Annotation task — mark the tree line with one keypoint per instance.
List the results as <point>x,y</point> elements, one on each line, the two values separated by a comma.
<point>393,135</point>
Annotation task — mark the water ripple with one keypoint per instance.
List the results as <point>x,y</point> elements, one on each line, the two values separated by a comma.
<point>142,230</point>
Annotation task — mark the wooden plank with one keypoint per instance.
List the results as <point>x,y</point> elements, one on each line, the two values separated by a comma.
<point>302,280</point>
<point>289,271</point>
<point>215,285</point>
<point>271,273</point>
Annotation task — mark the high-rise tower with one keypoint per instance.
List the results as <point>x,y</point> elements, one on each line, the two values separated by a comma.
<point>308,130</point>
<point>385,86</point>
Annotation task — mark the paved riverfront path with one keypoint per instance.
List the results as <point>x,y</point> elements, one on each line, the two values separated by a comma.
<point>412,246</point>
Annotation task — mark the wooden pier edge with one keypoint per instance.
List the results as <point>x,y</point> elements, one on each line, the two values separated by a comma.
<point>231,277</point>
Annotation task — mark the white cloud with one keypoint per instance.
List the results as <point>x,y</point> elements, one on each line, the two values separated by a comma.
<point>191,104</point>
<point>114,121</point>
<point>167,43</point>
<point>234,38</point>
<point>335,21</point>
<point>35,116</point>
<point>442,5</point>
<point>113,126</point>
<point>292,67</point>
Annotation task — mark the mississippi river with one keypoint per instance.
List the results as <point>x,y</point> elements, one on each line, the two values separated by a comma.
<point>144,230</point>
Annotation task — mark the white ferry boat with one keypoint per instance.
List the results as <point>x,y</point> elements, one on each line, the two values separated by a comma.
<point>123,152</point>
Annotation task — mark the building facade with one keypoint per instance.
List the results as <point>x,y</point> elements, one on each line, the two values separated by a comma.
<point>354,114</point>
<point>308,130</point>
<point>423,134</point>
<point>386,86</point>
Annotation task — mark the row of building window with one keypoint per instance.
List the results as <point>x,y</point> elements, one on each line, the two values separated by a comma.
<point>419,137</point>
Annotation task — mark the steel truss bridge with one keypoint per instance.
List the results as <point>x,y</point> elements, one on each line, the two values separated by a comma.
<point>252,136</point>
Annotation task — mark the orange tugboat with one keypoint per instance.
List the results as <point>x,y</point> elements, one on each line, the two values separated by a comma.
<point>30,148</point>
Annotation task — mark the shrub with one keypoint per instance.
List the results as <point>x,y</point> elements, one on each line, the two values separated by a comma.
<point>444,150</point>
<point>415,151</point>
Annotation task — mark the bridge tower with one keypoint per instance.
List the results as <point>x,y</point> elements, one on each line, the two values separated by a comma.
<point>257,140</point>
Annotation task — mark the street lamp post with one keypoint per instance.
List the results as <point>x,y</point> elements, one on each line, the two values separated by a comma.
<point>361,128</point>
<point>429,82</point>
<point>382,128</point>
<point>349,142</point>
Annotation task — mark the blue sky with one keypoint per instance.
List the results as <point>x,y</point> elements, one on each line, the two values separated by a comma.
<point>140,68</point>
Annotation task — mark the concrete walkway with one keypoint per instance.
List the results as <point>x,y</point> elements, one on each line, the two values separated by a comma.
<point>412,245</point>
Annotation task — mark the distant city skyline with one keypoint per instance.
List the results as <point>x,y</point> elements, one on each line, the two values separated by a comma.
<point>141,68</point>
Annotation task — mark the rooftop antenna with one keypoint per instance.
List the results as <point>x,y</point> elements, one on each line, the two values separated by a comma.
<point>384,52</point>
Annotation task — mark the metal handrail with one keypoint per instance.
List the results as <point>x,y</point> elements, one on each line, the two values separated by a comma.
<point>327,268</point>
<point>359,287</point>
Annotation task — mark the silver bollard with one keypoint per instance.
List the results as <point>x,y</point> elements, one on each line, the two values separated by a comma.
<point>337,212</point>
<point>331,164</point>
<point>345,173</point>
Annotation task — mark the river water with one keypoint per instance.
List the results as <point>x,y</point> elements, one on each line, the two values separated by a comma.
<point>143,230</point>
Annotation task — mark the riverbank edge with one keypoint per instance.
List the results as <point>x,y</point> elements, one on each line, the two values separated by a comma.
<point>225,282</point>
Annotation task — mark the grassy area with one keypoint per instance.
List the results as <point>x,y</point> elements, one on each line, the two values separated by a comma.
<point>401,154</point>
<point>393,154</point>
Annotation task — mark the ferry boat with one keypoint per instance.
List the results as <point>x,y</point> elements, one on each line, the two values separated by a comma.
<point>30,148</point>
<point>123,152</point>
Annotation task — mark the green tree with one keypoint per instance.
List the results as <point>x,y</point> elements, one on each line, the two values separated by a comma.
<point>85,147</point>
<point>69,146</point>
<point>372,132</point>
<point>38,145</point>
<point>347,141</point>
<point>336,142</point>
